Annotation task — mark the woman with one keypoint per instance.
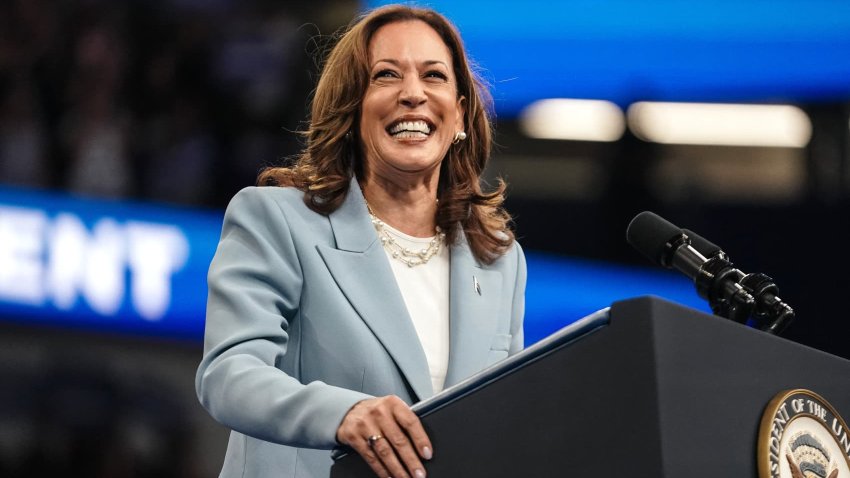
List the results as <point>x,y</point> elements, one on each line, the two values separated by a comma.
<point>378,275</point>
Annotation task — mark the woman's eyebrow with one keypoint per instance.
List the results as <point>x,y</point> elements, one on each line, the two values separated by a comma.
<point>387,60</point>
<point>398,63</point>
<point>434,62</point>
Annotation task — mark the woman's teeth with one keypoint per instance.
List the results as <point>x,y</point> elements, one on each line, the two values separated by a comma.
<point>409,135</point>
<point>410,129</point>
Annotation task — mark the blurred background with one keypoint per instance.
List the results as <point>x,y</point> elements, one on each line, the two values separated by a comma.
<point>127,125</point>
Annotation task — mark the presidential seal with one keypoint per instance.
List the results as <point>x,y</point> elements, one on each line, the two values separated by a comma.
<point>802,436</point>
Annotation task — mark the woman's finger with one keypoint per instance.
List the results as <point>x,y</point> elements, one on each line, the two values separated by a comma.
<point>389,459</point>
<point>412,426</point>
<point>365,451</point>
<point>403,447</point>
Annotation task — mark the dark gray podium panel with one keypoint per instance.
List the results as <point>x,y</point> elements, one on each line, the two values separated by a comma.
<point>662,391</point>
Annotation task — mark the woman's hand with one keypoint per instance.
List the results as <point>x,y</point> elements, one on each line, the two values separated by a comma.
<point>388,435</point>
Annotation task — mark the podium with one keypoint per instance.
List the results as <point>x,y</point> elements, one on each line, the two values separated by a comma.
<point>647,388</point>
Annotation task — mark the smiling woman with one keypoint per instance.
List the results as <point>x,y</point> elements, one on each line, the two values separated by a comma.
<point>346,294</point>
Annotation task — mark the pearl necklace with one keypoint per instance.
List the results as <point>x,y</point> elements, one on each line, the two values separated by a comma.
<point>397,251</point>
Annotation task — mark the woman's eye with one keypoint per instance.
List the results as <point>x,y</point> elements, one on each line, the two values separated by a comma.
<point>385,74</point>
<point>436,74</point>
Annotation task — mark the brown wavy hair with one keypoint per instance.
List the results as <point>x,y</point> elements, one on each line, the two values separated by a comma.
<point>332,154</point>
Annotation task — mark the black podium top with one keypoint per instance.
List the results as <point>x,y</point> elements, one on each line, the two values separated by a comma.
<point>657,389</point>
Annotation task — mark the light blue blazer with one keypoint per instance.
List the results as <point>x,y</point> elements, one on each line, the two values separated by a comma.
<point>304,319</point>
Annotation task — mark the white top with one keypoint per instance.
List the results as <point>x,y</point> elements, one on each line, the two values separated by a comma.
<point>425,289</point>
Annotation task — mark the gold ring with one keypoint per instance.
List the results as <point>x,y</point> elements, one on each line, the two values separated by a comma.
<point>373,439</point>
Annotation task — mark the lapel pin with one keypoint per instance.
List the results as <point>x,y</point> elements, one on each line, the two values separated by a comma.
<point>476,285</point>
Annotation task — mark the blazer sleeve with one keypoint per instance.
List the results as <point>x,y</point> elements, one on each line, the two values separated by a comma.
<point>255,283</point>
<point>518,310</point>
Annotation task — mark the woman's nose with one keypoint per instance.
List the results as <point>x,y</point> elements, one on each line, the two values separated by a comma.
<point>412,93</point>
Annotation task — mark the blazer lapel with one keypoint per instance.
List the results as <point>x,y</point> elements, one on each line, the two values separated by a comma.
<point>473,300</point>
<point>360,267</point>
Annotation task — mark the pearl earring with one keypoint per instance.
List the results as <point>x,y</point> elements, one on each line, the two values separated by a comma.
<point>459,136</point>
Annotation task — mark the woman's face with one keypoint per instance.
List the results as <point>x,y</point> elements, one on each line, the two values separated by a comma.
<point>411,110</point>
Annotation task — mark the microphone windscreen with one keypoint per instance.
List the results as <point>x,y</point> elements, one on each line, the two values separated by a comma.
<point>701,244</point>
<point>649,233</point>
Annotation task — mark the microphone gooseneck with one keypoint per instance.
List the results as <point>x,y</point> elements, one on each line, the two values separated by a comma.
<point>771,313</point>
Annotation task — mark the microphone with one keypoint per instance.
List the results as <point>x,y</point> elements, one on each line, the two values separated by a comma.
<point>664,244</point>
<point>730,292</point>
<point>715,278</point>
<point>771,313</point>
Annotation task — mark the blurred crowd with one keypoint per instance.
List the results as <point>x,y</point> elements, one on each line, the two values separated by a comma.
<point>77,419</point>
<point>175,101</point>
<point>179,101</point>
